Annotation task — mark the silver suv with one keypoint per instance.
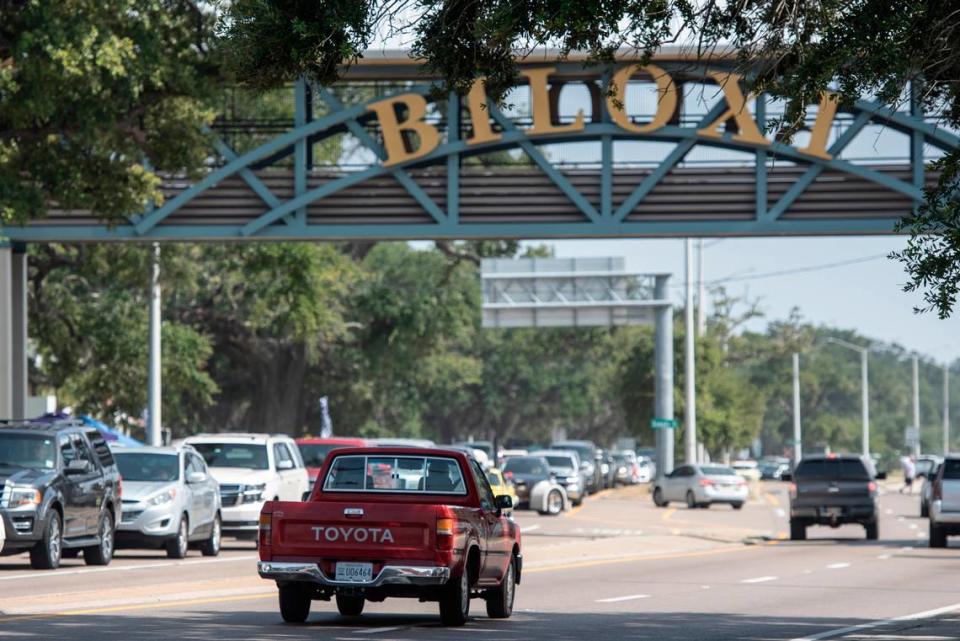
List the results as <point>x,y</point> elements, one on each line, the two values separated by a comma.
<point>945,502</point>
<point>170,500</point>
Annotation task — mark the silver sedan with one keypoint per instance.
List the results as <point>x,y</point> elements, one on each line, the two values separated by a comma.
<point>170,500</point>
<point>701,486</point>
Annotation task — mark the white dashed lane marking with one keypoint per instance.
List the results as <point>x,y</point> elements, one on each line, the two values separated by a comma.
<point>838,566</point>
<point>618,599</point>
<point>760,579</point>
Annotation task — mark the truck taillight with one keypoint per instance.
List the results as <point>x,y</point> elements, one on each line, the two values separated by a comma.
<point>872,486</point>
<point>937,491</point>
<point>793,490</point>
<point>119,487</point>
<point>266,528</point>
<point>446,528</point>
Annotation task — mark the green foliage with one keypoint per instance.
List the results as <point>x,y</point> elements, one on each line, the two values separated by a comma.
<point>91,89</point>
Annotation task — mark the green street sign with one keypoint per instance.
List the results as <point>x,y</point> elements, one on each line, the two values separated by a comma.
<point>663,423</point>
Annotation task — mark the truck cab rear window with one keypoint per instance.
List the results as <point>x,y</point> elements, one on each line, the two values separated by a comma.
<point>832,470</point>
<point>951,469</point>
<point>407,474</point>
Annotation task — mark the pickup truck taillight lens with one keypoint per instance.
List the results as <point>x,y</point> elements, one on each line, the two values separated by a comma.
<point>872,486</point>
<point>793,490</point>
<point>266,528</point>
<point>937,491</point>
<point>446,527</point>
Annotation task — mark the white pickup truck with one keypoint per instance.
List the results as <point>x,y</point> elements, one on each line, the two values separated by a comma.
<point>945,503</point>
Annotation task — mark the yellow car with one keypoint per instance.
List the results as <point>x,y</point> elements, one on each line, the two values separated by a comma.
<point>500,485</point>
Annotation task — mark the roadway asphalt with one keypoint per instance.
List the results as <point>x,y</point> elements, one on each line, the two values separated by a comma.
<point>615,568</point>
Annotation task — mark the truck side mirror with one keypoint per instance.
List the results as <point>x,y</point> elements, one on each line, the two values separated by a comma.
<point>77,466</point>
<point>504,502</point>
<point>882,476</point>
<point>284,465</point>
<point>786,476</point>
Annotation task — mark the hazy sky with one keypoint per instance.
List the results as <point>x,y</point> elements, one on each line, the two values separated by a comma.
<point>866,297</point>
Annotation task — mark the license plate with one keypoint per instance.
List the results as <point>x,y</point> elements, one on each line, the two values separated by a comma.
<point>834,511</point>
<point>355,572</point>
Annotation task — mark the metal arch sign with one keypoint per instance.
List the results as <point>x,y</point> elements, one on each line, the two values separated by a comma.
<point>251,197</point>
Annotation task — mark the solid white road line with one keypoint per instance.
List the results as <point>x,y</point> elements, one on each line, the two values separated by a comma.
<point>376,630</point>
<point>760,579</point>
<point>618,599</point>
<point>927,614</point>
<point>838,566</point>
<point>529,528</point>
<point>126,568</point>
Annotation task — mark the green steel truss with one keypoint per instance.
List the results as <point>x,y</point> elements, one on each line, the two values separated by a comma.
<point>285,218</point>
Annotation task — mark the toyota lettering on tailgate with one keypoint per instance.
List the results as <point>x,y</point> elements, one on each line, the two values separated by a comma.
<point>352,534</point>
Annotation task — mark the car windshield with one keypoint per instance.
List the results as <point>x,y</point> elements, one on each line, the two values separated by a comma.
<point>135,466</point>
<point>246,455</point>
<point>524,466</point>
<point>832,470</point>
<point>717,470</point>
<point>315,453</point>
<point>951,469</point>
<point>31,451</point>
<point>585,451</point>
<point>494,479</point>
<point>564,462</point>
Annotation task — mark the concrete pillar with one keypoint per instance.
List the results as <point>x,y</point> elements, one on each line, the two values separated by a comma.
<point>13,331</point>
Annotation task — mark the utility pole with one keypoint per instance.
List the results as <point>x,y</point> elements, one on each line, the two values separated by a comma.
<point>690,411</point>
<point>663,381</point>
<point>916,403</point>
<point>864,393</point>
<point>701,302</point>
<point>154,419</point>
<point>946,410</point>
<point>797,443</point>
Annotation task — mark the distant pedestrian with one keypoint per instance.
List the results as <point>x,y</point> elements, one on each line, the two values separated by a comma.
<point>909,472</point>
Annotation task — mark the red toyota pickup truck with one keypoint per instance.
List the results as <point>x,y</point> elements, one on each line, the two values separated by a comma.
<point>393,522</point>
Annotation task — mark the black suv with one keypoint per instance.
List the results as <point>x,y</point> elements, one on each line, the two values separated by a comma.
<point>59,492</point>
<point>831,489</point>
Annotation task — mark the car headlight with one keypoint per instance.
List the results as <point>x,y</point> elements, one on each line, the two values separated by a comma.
<point>21,496</point>
<point>163,497</point>
<point>253,493</point>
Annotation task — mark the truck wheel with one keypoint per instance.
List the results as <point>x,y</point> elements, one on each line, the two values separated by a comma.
<point>177,546</point>
<point>211,547</point>
<point>102,553</point>
<point>798,531</point>
<point>924,510</point>
<point>455,601</point>
<point>500,599</point>
<point>938,538</point>
<point>738,505</point>
<point>658,498</point>
<point>294,603</point>
<point>873,531</point>
<point>45,555</point>
<point>350,606</point>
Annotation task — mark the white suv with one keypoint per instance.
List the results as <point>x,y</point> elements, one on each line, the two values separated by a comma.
<point>251,469</point>
<point>945,502</point>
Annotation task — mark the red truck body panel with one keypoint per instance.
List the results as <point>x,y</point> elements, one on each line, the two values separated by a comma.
<point>392,528</point>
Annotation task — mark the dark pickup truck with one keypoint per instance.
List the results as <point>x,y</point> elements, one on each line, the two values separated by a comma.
<point>59,492</point>
<point>832,489</point>
<point>393,522</point>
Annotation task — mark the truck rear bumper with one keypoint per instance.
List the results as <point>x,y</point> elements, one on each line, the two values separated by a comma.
<point>389,575</point>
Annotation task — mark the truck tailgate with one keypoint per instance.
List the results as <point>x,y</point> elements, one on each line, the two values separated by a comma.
<point>353,530</point>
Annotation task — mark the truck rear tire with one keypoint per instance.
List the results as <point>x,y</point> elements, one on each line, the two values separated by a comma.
<point>102,553</point>
<point>938,538</point>
<point>500,599</point>
<point>294,603</point>
<point>455,601</point>
<point>798,531</point>
<point>350,606</point>
<point>873,530</point>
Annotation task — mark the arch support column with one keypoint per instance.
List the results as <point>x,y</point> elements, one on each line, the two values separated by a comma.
<point>13,330</point>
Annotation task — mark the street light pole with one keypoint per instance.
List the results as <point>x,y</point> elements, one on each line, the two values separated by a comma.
<point>797,443</point>
<point>690,411</point>
<point>154,402</point>
<point>701,302</point>
<point>864,394</point>
<point>946,410</point>
<point>916,403</point>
